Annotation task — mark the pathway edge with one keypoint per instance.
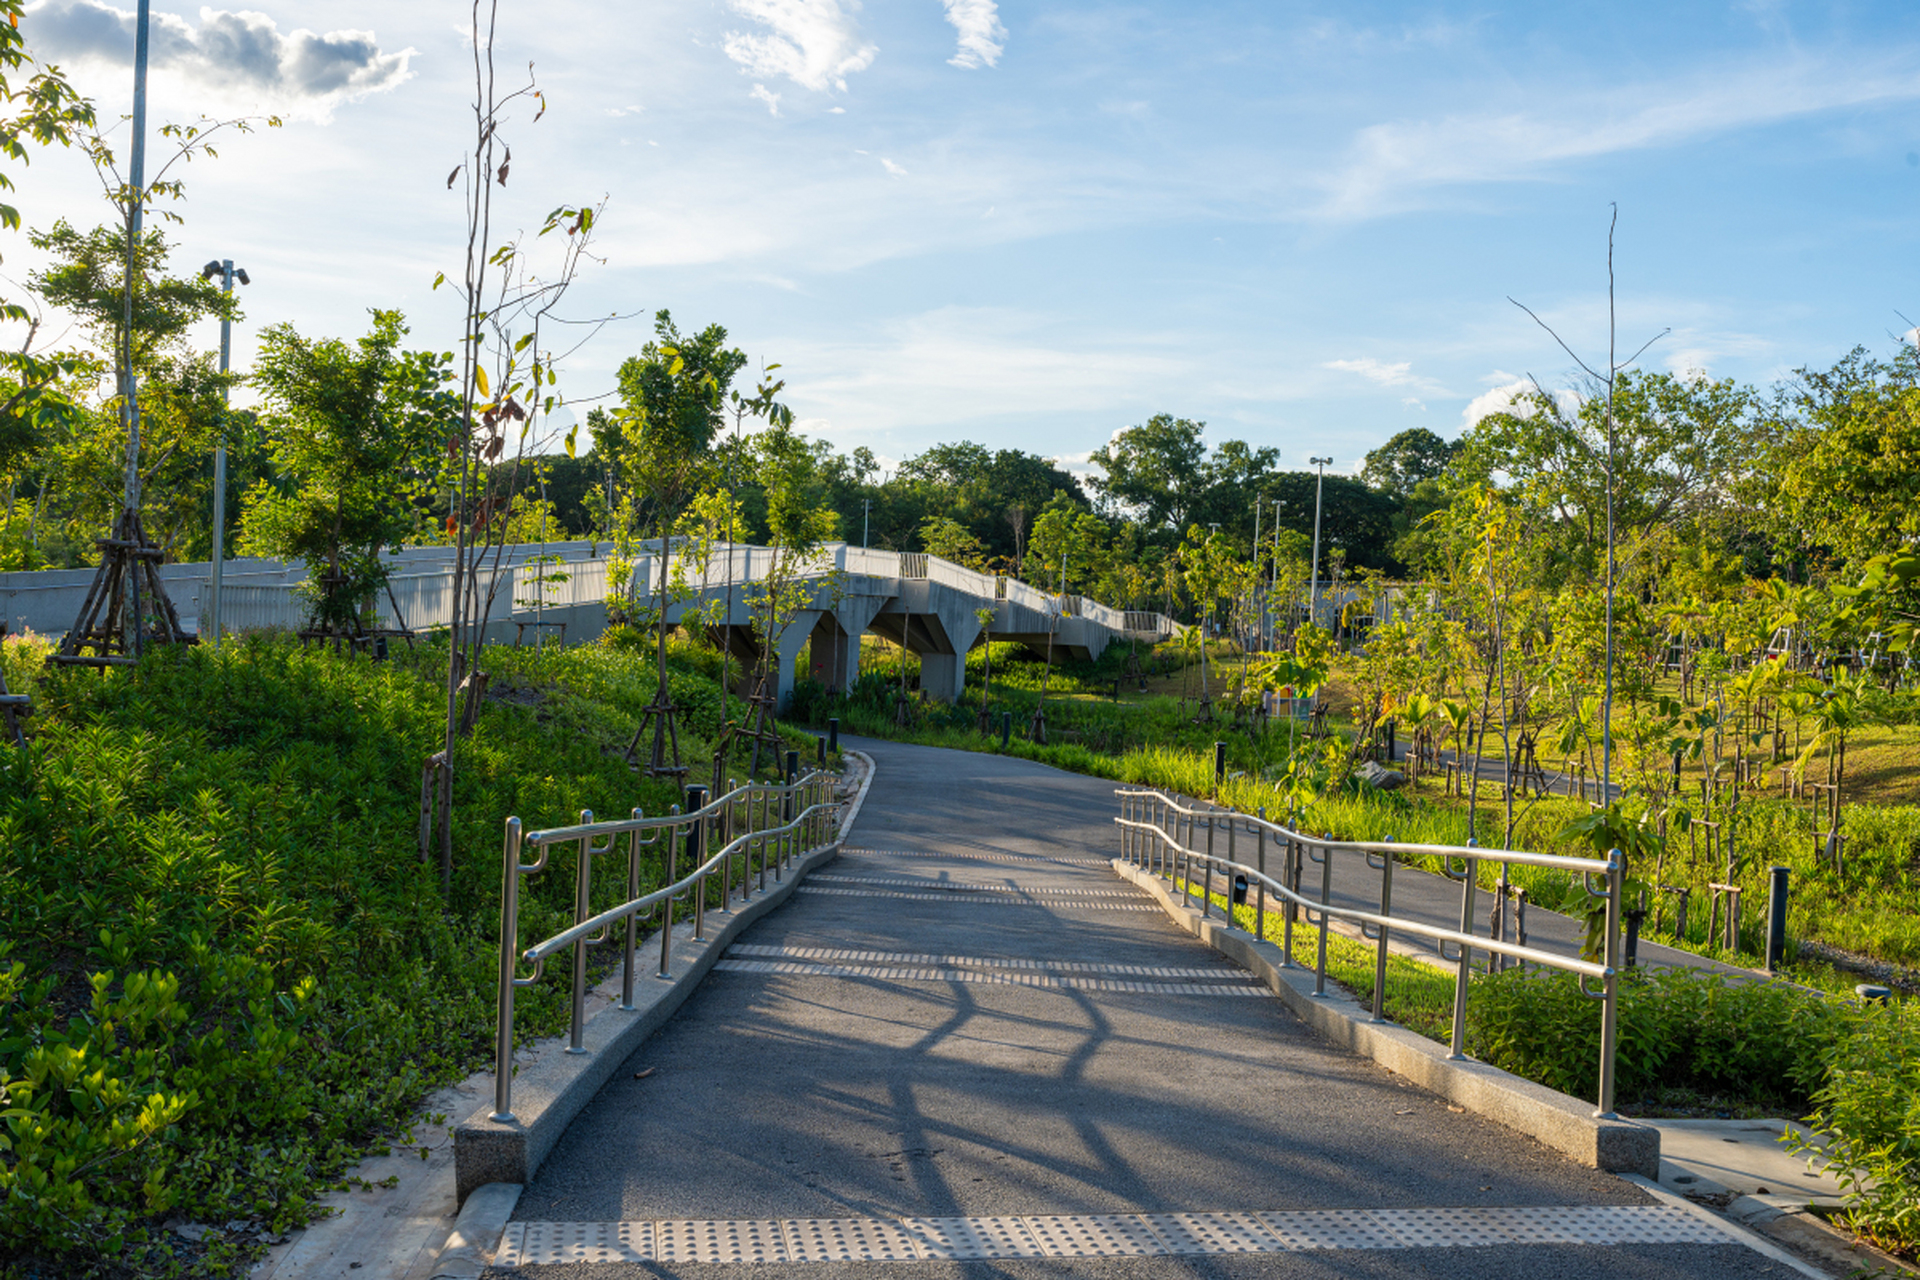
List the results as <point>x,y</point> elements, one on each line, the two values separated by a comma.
<point>550,1092</point>
<point>1562,1122</point>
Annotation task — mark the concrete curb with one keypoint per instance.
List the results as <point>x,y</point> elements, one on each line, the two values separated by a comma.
<point>476,1233</point>
<point>551,1091</point>
<point>1566,1124</point>
<point>1735,1234</point>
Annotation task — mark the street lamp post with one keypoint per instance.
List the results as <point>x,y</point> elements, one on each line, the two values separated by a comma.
<point>227,273</point>
<point>866,520</point>
<point>1273,586</point>
<point>1313,591</point>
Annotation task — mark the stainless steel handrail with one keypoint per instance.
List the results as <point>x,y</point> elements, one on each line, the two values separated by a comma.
<point>1148,824</point>
<point>804,809</point>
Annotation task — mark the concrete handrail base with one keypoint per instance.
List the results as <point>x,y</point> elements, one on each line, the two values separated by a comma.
<point>1565,1123</point>
<point>550,1092</point>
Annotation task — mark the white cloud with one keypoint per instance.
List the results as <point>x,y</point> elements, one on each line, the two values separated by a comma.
<point>892,168</point>
<point>814,43</point>
<point>617,112</point>
<point>1398,374</point>
<point>302,70</point>
<point>763,94</point>
<point>1388,165</point>
<point>981,36</point>
<point>1494,400</point>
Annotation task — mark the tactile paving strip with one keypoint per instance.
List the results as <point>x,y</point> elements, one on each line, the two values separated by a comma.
<point>965,886</point>
<point>976,857</point>
<point>976,899</point>
<point>845,955</point>
<point>1103,1235</point>
<point>807,969</point>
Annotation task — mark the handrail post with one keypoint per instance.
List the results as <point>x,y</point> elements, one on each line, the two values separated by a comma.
<point>582,908</point>
<point>509,956</point>
<point>1610,1006</point>
<point>1206,891</point>
<point>1468,885</point>
<point>666,907</point>
<point>627,955</point>
<point>1289,876</point>
<point>1326,921</point>
<point>1260,847</point>
<point>696,845</point>
<point>1380,961</point>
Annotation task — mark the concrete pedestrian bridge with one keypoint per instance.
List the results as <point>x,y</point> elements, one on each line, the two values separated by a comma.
<point>981,1031</point>
<point>932,607</point>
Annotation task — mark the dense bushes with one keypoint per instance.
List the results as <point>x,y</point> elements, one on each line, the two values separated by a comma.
<point>225,973</point>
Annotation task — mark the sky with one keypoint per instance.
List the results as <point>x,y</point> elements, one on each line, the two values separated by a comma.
<point>1032,225</point>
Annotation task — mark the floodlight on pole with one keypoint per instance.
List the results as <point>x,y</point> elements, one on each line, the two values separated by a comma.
<point>1313,592</point>
<point>228,274</point>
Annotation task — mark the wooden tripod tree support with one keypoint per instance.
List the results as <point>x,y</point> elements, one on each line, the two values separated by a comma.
<point>127,606</point>
<point>14,707</point>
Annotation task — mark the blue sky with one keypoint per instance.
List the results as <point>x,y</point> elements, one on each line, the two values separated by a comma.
<point>1031,225</point>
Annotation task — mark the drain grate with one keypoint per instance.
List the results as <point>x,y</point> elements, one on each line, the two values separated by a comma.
<point>1100,1235</point>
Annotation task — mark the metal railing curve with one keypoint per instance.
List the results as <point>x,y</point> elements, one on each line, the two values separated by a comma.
<point>1151,826</point>
<point>773,821</point>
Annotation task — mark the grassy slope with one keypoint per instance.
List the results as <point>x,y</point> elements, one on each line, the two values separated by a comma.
<point>1873,909</point>
<point>245,824</point>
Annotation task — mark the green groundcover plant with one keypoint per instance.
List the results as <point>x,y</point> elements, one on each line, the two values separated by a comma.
<point>225,975</point>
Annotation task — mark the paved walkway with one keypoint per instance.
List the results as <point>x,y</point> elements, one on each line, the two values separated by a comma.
<point>967,1049</point>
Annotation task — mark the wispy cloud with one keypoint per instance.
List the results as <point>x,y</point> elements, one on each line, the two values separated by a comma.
<point>302,70</point>
<point>766,95</point>
<point>1397,374</point>
<point>814,43</point>
<point>892,168</point>
<point>982,38</point>
<point>1390,167</point>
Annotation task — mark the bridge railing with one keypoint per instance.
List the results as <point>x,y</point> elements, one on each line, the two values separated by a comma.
<point>771,822</point>
<point>1179,840</point>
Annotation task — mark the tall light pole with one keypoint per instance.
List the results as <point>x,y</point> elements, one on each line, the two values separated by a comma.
<point>225,270</point>
<point>1313,592</point>
<point>866,520</point>
<point>1273,584</point>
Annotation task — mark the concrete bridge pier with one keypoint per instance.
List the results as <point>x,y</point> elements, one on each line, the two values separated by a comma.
<point>834,659</point>
<point>744,644</point>
<point>939,626</point>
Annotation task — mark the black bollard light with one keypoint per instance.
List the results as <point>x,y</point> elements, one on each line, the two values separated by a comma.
<point>1634,917</point>
<point>1219,767</point>
<point>379,648</point>
<point>821,743</point>
<point>1239,890</point>
<point>833,733</point>
<point>1777,918</point>
<point>696,801</point>
<point>793,767</point>
<point>1006,729</point>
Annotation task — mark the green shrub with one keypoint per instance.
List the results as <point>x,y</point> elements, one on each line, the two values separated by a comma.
<point>1868,1113</point>
<point>1766,1043</point>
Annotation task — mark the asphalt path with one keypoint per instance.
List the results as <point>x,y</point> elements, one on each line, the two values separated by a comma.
<point>810,1079</point>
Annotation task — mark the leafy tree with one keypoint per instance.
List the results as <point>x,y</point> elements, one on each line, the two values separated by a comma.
<point>1155,471</point>
<point>1842,470</point>
<point>1404,462</point>
<point>357,433</point>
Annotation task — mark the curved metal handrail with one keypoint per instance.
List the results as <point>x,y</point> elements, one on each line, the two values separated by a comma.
<point>800,825</point>
<point>1167,855</point>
